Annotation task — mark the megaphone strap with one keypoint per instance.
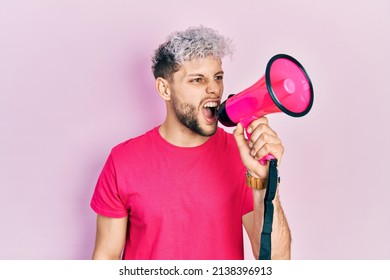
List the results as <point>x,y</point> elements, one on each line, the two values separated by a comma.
<point>265,239</point>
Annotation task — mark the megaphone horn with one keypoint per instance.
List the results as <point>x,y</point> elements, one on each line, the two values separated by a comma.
<point>285,87</point>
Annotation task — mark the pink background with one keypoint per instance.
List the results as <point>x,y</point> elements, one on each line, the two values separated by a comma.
<point>75,80</point>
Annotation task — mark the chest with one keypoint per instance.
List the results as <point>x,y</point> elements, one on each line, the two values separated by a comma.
<point>181,188</point>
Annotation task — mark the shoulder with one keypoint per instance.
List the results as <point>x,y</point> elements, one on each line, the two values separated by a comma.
<point>133,145</point>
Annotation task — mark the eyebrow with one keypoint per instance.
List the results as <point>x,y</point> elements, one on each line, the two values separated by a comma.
<point>201,75</point>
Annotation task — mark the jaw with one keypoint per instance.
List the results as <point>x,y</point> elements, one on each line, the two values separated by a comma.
<point>201,121</point>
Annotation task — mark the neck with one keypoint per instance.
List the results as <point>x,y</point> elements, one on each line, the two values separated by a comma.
<point>179,135</point>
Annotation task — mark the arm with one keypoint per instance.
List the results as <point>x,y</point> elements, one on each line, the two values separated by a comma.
<point>280,237</point>
<point>110,238</point>
<point>263,141</point>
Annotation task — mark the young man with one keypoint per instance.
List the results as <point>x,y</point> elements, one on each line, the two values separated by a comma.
<point>179,191</point>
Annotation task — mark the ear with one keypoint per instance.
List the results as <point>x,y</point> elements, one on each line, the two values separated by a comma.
<point>162,86</point>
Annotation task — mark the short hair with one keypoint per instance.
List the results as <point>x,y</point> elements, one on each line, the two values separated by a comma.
<point>192,43</point>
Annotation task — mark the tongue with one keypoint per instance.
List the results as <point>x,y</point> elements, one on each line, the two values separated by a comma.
<point>207,112</point>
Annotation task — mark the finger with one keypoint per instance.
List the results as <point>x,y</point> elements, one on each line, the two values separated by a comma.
<point>262,140</point>
<point>255,123</point>
<point>261,129</point>
<point>276,150</point>
<point>242,144</point>
<point>257,127</point>
<point>239,136</point>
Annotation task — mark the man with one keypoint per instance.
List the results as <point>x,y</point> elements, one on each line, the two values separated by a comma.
<point>179,191</point>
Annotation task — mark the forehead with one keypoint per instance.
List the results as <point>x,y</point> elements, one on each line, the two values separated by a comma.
<point>204,66</point>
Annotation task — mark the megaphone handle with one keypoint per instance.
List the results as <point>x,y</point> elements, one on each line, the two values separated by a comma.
<point>265,238</point>
<point>245,123</point>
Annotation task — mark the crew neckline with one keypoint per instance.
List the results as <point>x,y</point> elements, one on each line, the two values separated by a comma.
<point>172,146</point>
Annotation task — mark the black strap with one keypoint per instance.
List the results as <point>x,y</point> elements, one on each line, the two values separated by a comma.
<point>265,239</point>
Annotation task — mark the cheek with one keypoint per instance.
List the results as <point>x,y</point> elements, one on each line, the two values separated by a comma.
<point>185,103</point>
<point>189,95</point>
<point>193,97</point>
<point>188,110</point>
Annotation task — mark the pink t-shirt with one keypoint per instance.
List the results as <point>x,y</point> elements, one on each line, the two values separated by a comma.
<point>182,203</point>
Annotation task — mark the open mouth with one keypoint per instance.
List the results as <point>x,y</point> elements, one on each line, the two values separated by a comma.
<point>209,110</point>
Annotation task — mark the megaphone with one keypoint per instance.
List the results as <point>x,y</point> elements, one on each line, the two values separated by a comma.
<point>285,87</point>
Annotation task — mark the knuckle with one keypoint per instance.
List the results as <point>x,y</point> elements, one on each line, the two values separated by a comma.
<point>264,137</point>
<point>263,126</point>
<point>264,119</point>
<point>256,145</point>
<point>267,147</point>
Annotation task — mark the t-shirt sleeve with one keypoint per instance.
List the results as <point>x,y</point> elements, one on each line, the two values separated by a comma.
<point>106,199</point>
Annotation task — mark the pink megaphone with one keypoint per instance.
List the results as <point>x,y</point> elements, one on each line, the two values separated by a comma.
<point>285,87</point>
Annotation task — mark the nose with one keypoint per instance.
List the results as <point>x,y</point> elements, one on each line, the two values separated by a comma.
<point>214,87</point>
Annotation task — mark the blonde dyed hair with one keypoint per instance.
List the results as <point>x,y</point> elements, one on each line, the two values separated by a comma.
<point>192,43</point>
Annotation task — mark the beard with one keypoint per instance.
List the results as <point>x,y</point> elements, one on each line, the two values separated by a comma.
<point>186,114</point>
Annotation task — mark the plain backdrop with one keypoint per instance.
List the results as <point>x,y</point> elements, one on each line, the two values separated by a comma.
<point>75,80</point>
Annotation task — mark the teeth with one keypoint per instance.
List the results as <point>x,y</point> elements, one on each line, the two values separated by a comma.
<point>211,104</point>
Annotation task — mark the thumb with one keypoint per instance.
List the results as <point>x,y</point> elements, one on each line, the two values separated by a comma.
<point>239,135</point>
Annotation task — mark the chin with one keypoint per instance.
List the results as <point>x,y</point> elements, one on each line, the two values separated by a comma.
<point>210,130</point>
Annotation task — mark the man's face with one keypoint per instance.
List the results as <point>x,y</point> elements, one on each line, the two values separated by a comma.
<point>196,92</point>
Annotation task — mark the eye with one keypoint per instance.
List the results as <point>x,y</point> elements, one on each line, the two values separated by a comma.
<point>197,80</point>
<point>219,78</point>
